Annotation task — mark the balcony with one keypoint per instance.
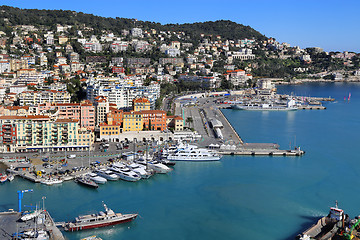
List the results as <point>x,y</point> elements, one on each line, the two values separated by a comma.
<point>28,135</point>
<point>28,131</point>
<point>28,126</point>
<point>54,130</point>
<point>39,126</point>
<point>7,127</point>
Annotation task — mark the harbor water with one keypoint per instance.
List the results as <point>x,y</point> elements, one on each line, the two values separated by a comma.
<point>240,197</point>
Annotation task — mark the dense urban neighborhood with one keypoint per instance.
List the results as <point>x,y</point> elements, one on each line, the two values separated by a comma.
<point>68,79</point>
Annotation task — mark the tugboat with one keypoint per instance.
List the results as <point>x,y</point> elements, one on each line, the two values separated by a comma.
<point>101,219</point>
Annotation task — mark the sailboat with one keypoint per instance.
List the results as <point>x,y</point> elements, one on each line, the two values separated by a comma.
<point>349,96</point>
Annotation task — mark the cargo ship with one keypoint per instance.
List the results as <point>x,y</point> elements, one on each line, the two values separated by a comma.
<point>97,220</point>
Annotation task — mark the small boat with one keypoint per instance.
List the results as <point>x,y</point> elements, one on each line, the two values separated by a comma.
<point>109,175</point>
<point>167,162</point>
<point>10,177</point>
<point>86,182</point>
<point>94,177</point>
<point>30,215</point>
<point>101,219</point>
<point>51,181</point>
<point>3,178</point>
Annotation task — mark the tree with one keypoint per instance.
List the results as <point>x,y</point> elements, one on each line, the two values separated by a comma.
<point>189,120</point>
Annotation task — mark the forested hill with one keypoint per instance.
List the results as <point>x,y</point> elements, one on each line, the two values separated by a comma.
<point>49,18</point>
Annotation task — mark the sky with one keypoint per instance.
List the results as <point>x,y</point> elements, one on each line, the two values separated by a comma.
<point>329,24</point>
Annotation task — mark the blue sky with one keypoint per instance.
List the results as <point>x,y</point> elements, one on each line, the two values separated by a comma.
<point>332,25</point>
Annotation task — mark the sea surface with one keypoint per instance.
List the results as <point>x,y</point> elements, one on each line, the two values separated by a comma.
<point>240,197</point>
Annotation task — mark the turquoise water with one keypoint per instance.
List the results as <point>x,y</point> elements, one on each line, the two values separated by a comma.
<point>239,197</point>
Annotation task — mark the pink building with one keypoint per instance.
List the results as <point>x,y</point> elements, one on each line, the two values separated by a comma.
<point>84,112</point>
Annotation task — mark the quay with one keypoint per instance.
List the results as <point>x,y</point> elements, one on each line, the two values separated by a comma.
<point>311,107</point>
<point>215,129</point>
<point>264,152</point>
<point>11,227</point>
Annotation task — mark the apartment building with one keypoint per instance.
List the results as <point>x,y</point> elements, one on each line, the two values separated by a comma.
<point>132,121</point>
<point>31,98</point>
<point>40,133</point>
<point>84,112</point>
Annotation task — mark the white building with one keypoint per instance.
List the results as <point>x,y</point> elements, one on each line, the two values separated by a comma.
<point>123,95</point>
<point>172,52</point>
<point>242,54</point>
<point>31,98</point>
<point>137,32</point>
<point>4,66</point>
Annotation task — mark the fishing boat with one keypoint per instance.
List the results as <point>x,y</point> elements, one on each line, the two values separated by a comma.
<point>101,219</point>
<point>94,177</point>
<point>86,182</point>
<point>3,178</point>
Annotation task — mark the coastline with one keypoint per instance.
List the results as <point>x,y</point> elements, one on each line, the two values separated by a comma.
<point>307,80</point>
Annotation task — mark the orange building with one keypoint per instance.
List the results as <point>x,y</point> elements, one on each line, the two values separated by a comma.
<point>115,116</point>
<point>153,119</point>
<point>140,104</point>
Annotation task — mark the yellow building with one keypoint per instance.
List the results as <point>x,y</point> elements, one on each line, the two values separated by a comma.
<point>63,39</point>
<point>85,137</point>
<point>108,130</point>
<point>175,122</point>
<point>132,122</point>
<point>141,104</point>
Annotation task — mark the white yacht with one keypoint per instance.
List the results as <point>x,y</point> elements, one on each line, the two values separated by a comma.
<point>268,106</point>
<point>140,170</point>
<point>94,177</point>
<point>193,153</point>
<point>109,175</point>
<point>124,173</point>
<point>158,167</point>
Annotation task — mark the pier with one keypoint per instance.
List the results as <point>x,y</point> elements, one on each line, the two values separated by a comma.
<point>228,141</point>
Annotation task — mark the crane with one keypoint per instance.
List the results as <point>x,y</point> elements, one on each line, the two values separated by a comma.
<point>21,195</point>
